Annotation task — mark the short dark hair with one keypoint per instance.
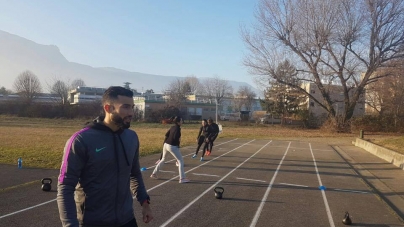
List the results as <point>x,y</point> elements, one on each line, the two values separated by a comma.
<point>210,120</point>
<point>111,94</point>
<point>177,119</point>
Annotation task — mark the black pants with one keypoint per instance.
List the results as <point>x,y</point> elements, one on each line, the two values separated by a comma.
<point>205,147</point>
<point>210,145</point>
<point>201,139</point>
<point>132,223</point>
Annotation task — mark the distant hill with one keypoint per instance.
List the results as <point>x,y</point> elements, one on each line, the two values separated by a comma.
<point>18,54</point>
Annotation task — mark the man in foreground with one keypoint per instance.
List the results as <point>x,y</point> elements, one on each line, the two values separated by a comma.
<point>100,169</point>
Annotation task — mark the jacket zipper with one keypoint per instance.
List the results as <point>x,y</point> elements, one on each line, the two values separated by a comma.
<point>117,179</point>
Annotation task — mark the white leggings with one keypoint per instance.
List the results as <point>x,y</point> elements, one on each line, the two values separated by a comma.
<point>175,151</point>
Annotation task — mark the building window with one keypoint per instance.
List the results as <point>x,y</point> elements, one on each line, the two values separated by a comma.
<point>312,104</point>
<point>313,91</point>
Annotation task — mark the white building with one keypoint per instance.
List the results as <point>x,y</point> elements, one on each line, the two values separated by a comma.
<point>85,95</point>
<point>40,98</point>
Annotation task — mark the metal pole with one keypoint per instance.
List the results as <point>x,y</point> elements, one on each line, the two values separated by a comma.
<point>216,109</point>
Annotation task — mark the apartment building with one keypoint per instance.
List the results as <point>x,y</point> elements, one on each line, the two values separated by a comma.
<point>336,95</point>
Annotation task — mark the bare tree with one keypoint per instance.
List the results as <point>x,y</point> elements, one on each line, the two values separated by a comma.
<point>244,97</point>
<point>77,83</point>
<point>60,88</point>
<point>331,42</point>
<point>196,87</point>
<point>177,92</point>
<point>216,89</point>
<point>27,85</point>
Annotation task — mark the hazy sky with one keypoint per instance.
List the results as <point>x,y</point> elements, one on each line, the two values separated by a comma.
<point>163,37</point>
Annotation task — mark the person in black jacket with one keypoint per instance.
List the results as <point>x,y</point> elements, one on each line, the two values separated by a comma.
<point>213,133</point>
<point>104,151</point>
<point>161,156</point>
<point>200,139</point>
<point>172,145</point>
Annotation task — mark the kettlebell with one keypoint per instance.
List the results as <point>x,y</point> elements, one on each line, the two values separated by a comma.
<point>46,184</point>
<point>347,220</point>
<point>219,192</point>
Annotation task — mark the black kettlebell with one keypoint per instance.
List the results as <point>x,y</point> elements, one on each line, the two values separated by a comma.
<point>219,192</point>
<point>347,220</point>
<point>46,184</point>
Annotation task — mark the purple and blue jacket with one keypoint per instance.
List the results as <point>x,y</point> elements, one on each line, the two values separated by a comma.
<point>100,171</point>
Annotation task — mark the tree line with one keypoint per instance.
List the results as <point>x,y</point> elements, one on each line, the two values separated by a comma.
<point>214,89</point>
<point>354,44</point>
<point>28,87</point>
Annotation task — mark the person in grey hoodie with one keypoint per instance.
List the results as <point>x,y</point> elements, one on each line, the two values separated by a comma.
<point>100,169</point>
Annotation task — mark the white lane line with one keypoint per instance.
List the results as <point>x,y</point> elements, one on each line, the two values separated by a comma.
<point>203,174</point>
<point>196,167</point>
<point>209,189</point>
<point>302,148</point>
<point>345,190</point>
<point>167,171</point>
<point>29,208</point>
<point>240,178</point>
<point>327,207</point>
<point>264,198</point>
<point>295,185</point>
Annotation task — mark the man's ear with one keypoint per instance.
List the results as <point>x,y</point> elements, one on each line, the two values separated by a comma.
<point>108,108</point>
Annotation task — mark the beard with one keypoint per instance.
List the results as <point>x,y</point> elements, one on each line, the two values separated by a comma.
<point>120,122</point>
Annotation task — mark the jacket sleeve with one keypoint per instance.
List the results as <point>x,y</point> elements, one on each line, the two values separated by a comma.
<point>167,135</point>
<point>200,131</point>
<point>177,135</point>
<point>136,180</point>
<point>74,159</point>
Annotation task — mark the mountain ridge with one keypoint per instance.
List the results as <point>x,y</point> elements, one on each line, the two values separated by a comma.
<point>18,54</point>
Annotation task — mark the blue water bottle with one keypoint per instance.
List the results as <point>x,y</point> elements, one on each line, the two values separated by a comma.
<point>19,163</point>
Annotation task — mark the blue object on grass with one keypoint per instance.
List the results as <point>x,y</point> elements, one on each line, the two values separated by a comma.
<point>19,163</point>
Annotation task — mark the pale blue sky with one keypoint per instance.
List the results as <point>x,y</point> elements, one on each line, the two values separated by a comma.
<point>163,37</point>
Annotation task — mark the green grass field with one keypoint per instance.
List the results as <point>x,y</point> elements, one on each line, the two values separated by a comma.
<point>40,142</point>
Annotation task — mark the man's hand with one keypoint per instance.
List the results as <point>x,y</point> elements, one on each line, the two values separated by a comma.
<point>147,214</point>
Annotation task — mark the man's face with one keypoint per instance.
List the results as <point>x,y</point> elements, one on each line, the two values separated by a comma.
<point>122,112</point>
